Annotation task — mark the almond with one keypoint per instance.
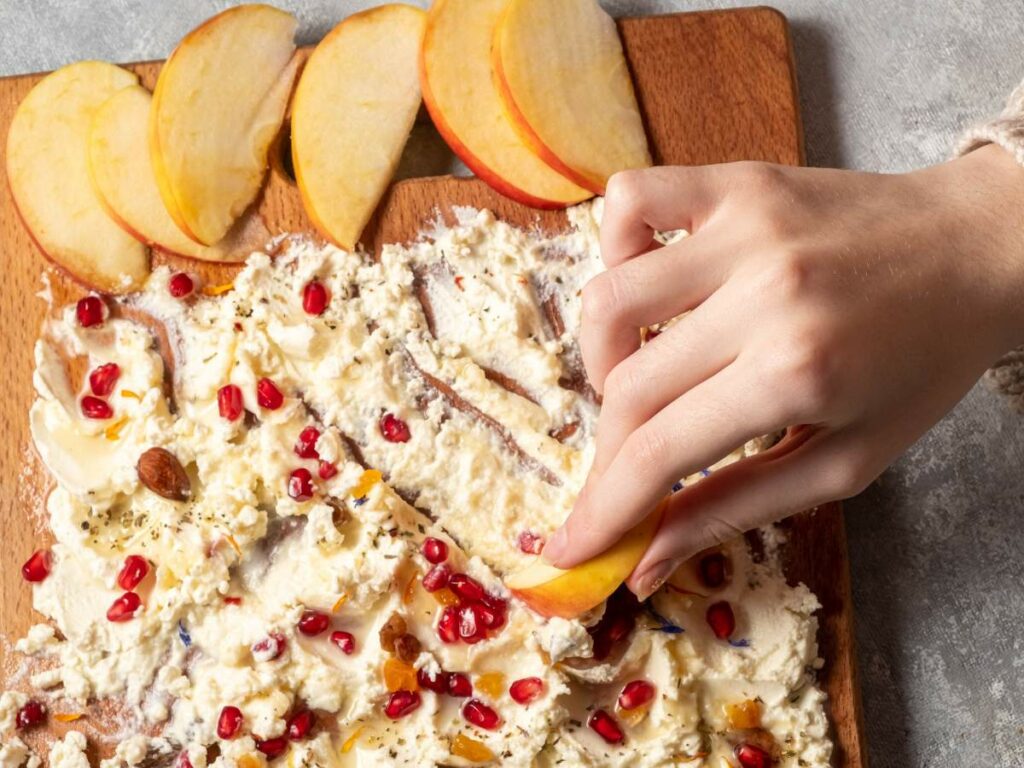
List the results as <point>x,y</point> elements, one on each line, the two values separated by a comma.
<point>161,472</point>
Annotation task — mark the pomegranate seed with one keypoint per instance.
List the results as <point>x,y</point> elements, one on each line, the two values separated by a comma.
<point>437,683</point>
<point>491,618</point>
<point>312,623</point>
<point>526,690</point>
<point>124,608</point>
<point>437,577</point>
<point>434,550</point>
<point>301,724</point>
<point>448,625</point>
<point>636,694</point>
<point>89,311</point>
<point>530,543</point>
<point>37,567</point>
<point>712,570</point>
<point>232,600</point>
<point>750,756</point>
<point>305,446</point>
<point>345,641</point>
<point>270,647</point>
<point>326,470</point>
<point>466,587</point>
<point>272,748</point>
<point>132,572</point>
<point>180,285</point>
<point>32,713</point>
<point>401,703</point>
<point>229,402</point>
<point>458,685</point>
<point>480,715</point>
<point>721,619</point>
<point>268,395</point>
<point>394,429</point>
<point>604,725</point>
<point>229,723</point>
<point>300,485</point>
<point>314,298</point>
<point>183,761</point>
<point>471,624</point>
<point>103,379</point>
<point>94,408</point>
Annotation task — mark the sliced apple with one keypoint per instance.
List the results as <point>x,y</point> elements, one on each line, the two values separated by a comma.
<point>463,100</point>
<point>218,104</point>
<point>122,175</point>
<point>564,80</point>
<point>352,114</point>
<point>570,593</point>
<point>49,178</point>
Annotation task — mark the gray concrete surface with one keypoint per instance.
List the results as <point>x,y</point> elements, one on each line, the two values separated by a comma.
<point>936,542</point>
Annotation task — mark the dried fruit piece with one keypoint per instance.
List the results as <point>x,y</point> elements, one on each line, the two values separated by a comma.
<point>480,715</point>
<point>401,703</point>
<point>750,756</point>
<point>744,716</point>
<point>229,402</point>
<point>229,723</point>
<point>491,683</point>
<point>446,597</point>
<point>466,587</point>
<point>713,570</point>
<point>636,694</point>
<point>300,485</point>
<point>132,572</point>
<point>604,725</point>
<point>269,648</point>
<point>300,725</point>
<point>31,714</point>
<point>448,625</point>
<point>305,446</point>
<point>180,285</point>
<point>458,685</point>
<point>434,550</point>
<point>94,408</point>
<point>103,379</point>
<point>721,619</point>
<point>407,647</point>
<point>436,682</point>
<point>37,567</point>
<point>272,748</point>
<point>471,749</point>
<point>89,311</point>
<point>390,631</point>
<point>399,675</point>
<point>394,429</point>
<point>314,298</point>
<point>526,690</point>
<point>268,395</point>
<point>124,607</point>
<point>312,623</point>
<point>161,472</point>
<point>345,641</point>
<point>437,577</point>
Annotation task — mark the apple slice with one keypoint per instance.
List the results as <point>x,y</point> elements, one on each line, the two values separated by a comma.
<point>463,100</point>
<point>218,104</point>
<point>122,176</point>
<point>353,110</point>
<point>564,80</point>
<point>570,593</point>
<point>49,178</point>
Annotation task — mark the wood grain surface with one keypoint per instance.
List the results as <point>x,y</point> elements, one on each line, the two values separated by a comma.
<point>713,87</point>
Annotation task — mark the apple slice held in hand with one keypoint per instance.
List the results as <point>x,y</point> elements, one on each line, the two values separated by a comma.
<point>48,172</point>
<point>352,114</point>
<point>564,79</point>
<point>218,104</point>
<point>122,175</point>
<point>570,593</point>
<point>463,100</point>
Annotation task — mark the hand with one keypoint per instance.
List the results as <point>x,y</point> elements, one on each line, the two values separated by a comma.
<point>862,305</point>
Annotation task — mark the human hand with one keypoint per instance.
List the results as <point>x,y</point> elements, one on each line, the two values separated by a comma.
<point>861,305</point>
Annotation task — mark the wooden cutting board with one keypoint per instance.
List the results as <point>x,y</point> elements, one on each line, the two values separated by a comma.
<point>713,87</point>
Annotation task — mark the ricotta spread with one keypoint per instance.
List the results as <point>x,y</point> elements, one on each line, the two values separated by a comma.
<point>467,337</point>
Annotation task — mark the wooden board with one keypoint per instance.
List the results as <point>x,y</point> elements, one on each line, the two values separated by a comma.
<point>713,87</point>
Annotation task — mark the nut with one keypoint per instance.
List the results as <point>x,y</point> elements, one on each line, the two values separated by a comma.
<point>161,472</point>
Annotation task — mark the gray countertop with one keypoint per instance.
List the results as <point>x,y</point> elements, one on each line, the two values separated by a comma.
<point>935,543</point>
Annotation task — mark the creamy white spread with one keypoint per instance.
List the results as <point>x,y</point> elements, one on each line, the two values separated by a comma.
<point>491,312</point>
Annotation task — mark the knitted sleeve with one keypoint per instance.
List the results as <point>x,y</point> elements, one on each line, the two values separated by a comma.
<point>1007,130</point>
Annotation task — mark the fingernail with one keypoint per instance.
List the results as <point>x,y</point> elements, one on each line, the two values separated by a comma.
<point>654,578</point>
<point>555,547</point>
